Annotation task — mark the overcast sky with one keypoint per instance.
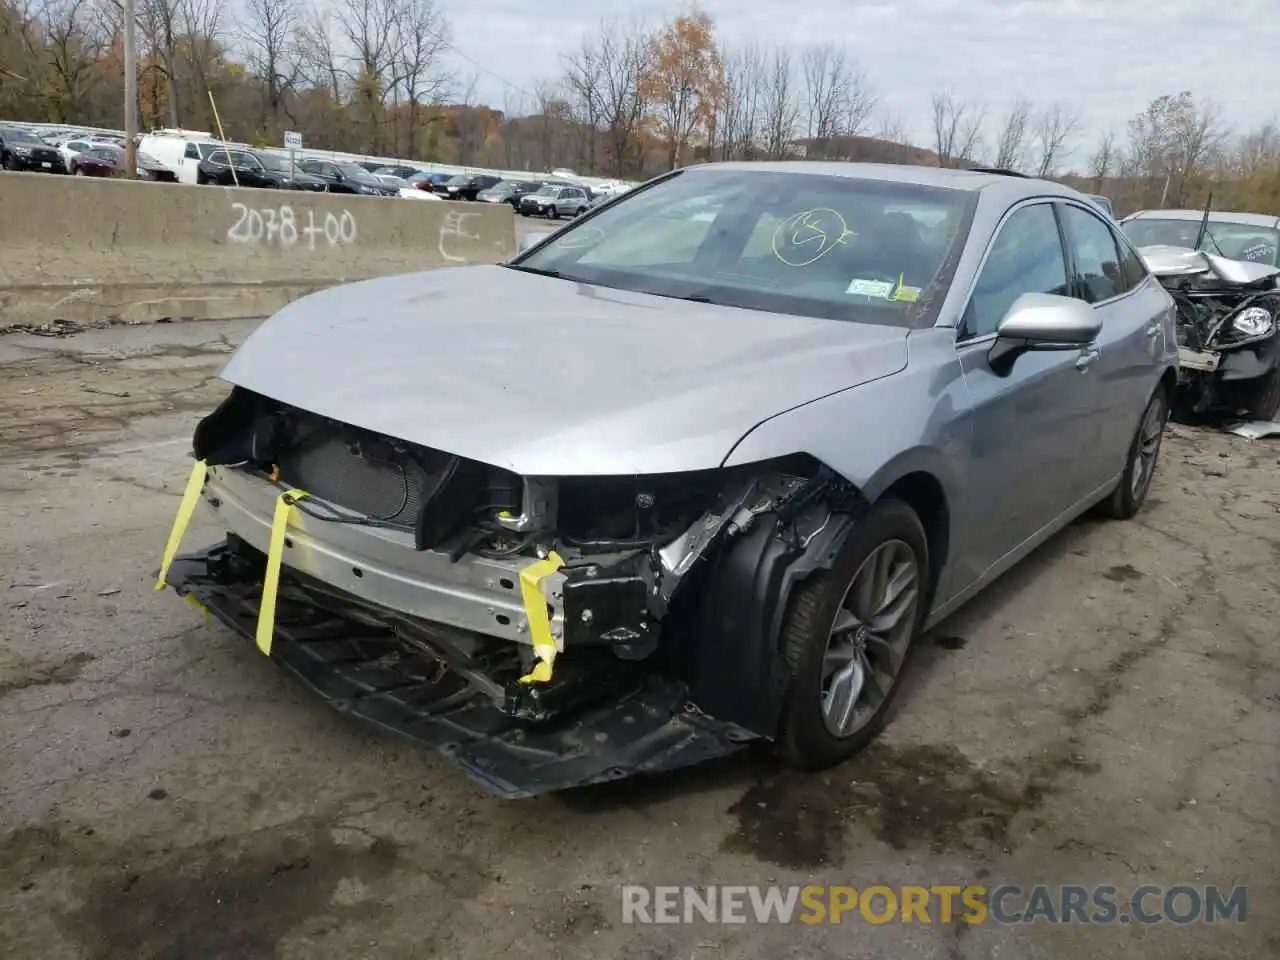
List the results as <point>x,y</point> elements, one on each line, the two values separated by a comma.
<point>1109,56</point>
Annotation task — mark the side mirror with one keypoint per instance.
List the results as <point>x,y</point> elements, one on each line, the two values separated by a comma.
<point>1043,321</point>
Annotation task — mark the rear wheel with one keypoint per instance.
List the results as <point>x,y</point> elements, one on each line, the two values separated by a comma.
<point>1131,492</point>
<point>553,213</point>
<point>847,637</point>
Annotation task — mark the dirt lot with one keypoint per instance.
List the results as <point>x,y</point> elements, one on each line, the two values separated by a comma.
<point>1110,713</point>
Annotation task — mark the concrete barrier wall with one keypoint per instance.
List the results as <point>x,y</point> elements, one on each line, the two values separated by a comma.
<point>85,250</point>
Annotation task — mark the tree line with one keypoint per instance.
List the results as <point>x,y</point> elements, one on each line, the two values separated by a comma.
<point>631,100</point>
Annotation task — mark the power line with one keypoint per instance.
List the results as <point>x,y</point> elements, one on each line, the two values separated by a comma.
<point>497,76</point>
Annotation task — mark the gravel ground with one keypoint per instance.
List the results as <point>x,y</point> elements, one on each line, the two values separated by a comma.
<point>1107,714</point>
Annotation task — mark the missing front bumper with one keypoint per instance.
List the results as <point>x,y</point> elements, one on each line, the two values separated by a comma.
<point>368,672</point>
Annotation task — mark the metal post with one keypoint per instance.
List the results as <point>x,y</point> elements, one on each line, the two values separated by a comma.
<point>130,92</point>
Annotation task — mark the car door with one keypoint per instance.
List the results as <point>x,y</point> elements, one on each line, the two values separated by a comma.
<point>1110,276</point>
<point>1029,424</point>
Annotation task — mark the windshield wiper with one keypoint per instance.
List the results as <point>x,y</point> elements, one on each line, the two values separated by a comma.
<point>540,271</point>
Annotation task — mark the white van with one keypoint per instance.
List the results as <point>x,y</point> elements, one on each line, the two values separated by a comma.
<point>180,150</point>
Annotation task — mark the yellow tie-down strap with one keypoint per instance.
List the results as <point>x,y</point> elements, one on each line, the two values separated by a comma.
<point>190,497</point>
<point>535,608</point>
<point>285,506</point>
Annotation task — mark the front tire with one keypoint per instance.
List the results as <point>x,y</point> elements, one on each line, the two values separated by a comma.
<point>553,213</point>
<point>1144,452</point>
<point>847,637</point>
<point>1264,399</point>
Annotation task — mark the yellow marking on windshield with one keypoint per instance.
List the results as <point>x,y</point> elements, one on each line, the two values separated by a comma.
<point>808,236</point>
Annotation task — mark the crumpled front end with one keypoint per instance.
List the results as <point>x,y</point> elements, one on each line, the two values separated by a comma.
<point>543,632</point>
<point>1228,325</point>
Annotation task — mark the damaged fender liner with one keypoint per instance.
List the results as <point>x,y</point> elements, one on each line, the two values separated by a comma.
<point>649,729</point>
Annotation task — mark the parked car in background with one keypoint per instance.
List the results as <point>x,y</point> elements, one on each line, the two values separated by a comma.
<point>554,200</point>
<point>466,186</point>
<point>1102,203</point>
<point>1252,237</point>
<point>507,191</point>
<point>149,168</point>
<point>342,177</point>
<point>431,181</point>
<point>20,150</point>
<point>404,172</point>
<point>247,168</point>
<point>69,148</point>
<point>801,434</point>
<point>99,161</point>
<point>180,150</point>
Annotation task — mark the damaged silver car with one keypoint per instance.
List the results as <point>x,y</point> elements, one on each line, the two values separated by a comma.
<point>1228,340</point>
<point>693,472</point>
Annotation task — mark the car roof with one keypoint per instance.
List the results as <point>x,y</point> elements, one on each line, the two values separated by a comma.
<point>1221,216</point>
<point>953,178</point>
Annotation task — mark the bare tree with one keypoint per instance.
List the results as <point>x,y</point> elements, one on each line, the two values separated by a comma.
<point>1055,125</point>
<point>780,106</point>
<point>583,80</point>
<point>839,99</point>
<point>892,133</point>
<point>73,47</point>
<point>1011,142</point>
<point>370,30</point>
<point>201,24</point>
<point>957,129</point>
<point>422,36</point>
<point>624,60</point>
<point>1170,143</point>
<point>1103,161</point>
<point>161,29</point>
<point>266,34</point>
<point>740,127</point>
<point>317,51</point>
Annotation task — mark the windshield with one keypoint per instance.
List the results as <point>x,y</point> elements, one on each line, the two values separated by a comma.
<point>548,190</point>
<point>459,180</point>
<point>20,136</point>
<point>106,153</point>
<point>273,162</point>
<point>356,172</point>
<point>839,247</point>
<point>1235,241</point>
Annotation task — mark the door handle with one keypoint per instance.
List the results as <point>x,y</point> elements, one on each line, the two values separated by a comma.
<point>1087,356</point>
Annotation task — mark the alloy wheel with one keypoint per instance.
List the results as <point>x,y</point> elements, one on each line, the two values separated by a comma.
<point>869,638</point>
<point>1147,449</point>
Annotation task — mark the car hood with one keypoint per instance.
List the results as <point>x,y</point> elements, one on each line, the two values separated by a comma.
<point>552,377</point>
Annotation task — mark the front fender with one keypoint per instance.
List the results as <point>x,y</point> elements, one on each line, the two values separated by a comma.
<point>880,431</point>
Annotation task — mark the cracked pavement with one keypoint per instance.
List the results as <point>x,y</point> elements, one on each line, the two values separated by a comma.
<point>1108,713</point>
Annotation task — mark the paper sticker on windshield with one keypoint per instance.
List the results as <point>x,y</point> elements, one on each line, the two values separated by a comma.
<point>580,238</point>
<point>880,289</point>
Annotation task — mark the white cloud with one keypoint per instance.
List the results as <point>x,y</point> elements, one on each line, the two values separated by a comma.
<point>1110,57</point>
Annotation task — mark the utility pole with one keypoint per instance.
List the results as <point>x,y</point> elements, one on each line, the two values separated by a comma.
<point>130,92</point>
